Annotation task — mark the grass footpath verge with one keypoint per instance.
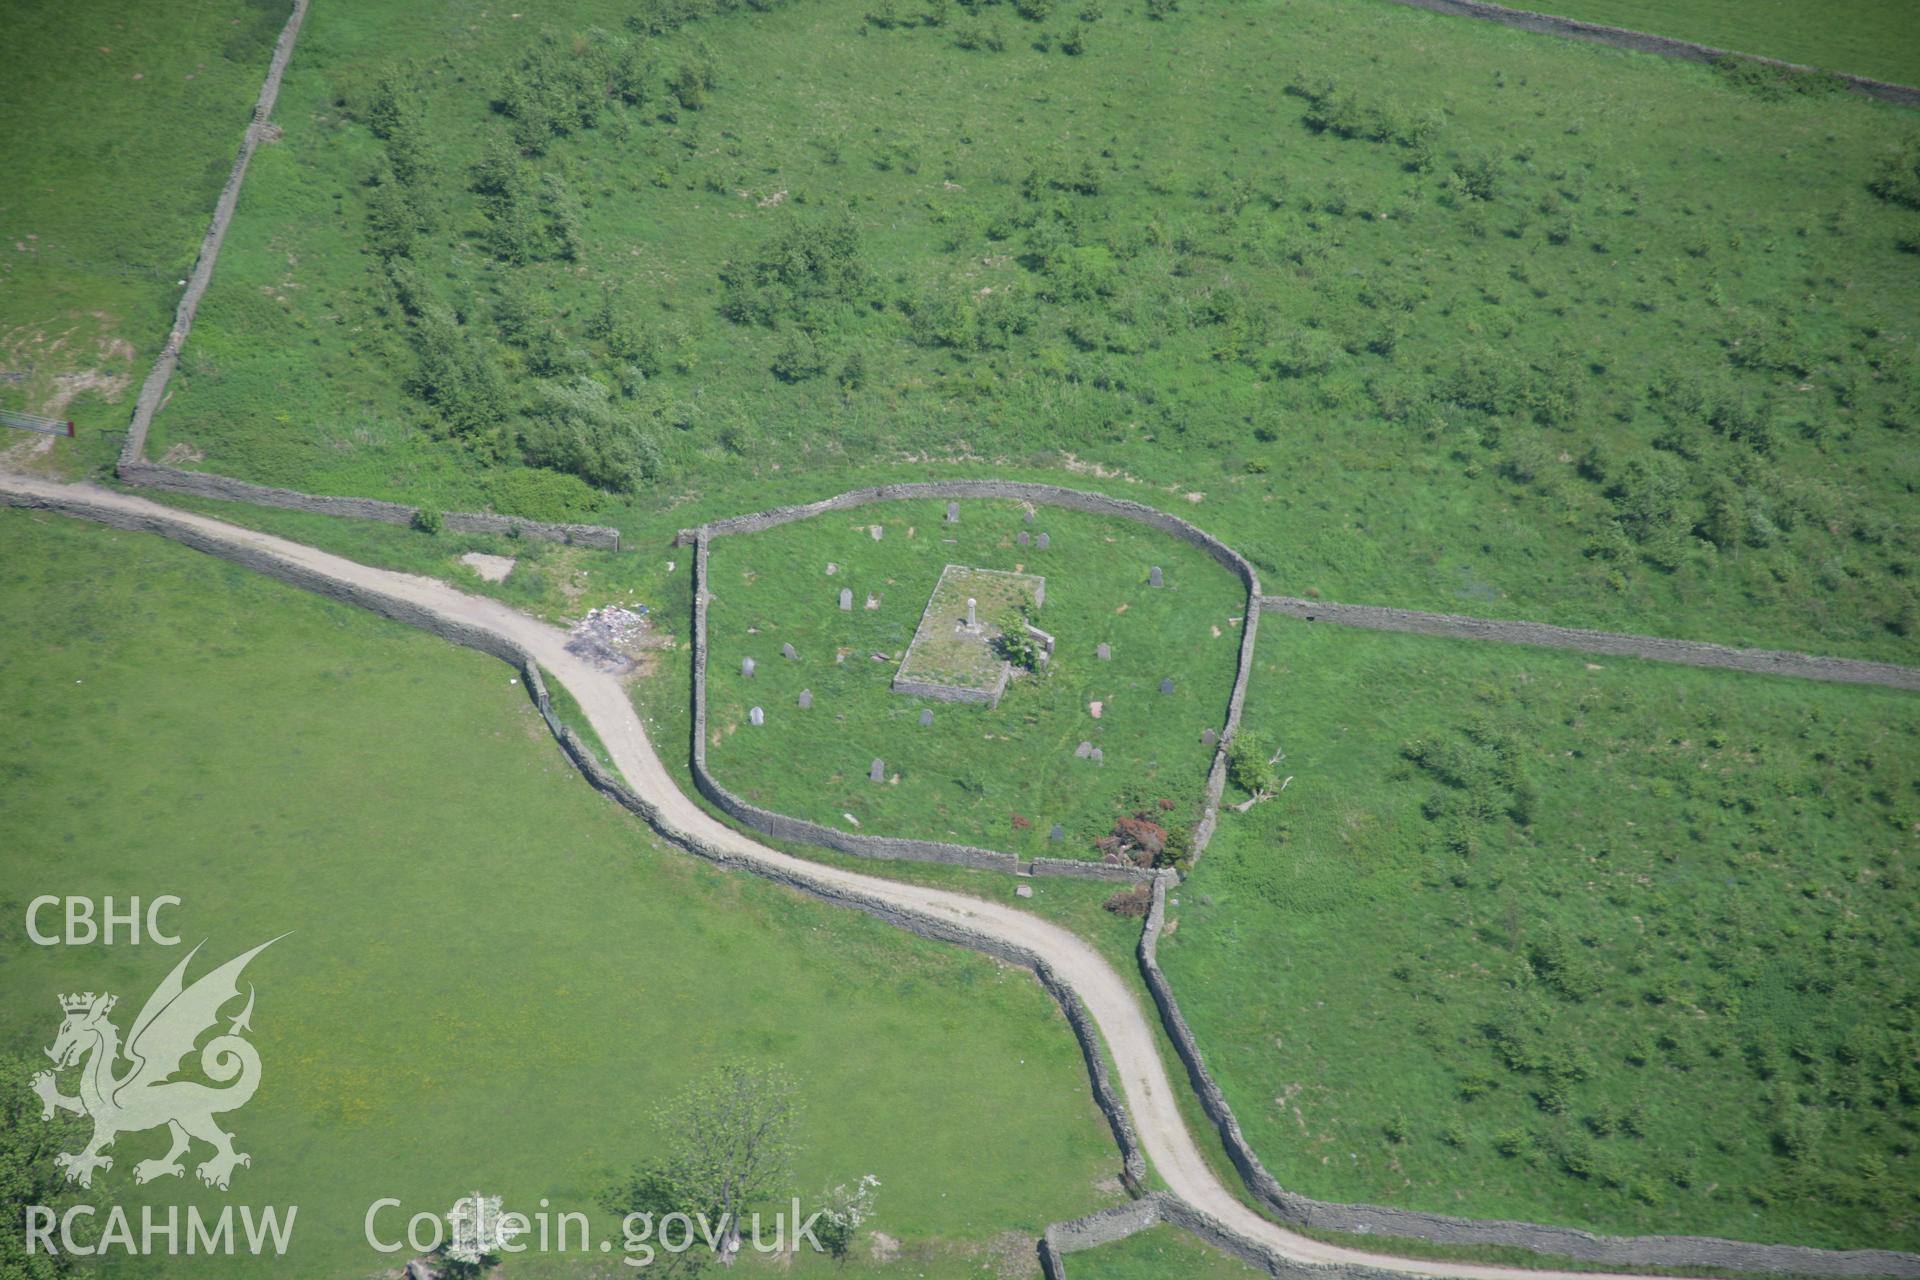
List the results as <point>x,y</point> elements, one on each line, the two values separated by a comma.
<point>1616,945</point>
<point>494,973</point>
<point>1157,1253</point>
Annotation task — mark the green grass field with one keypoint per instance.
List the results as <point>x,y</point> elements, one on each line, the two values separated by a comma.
<point>1156,1254</point>
<point>493,974</point>
<point>1430,312</point>
<point>967,775</point>
<point>122,123</point>
<point>1603,943</point>
<point>1875,38</point>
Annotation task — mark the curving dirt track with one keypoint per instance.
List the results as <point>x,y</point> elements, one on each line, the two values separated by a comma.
<point>1148,1091</point>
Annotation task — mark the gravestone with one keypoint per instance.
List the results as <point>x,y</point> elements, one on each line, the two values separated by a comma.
<point>877,771</point>
<point>1040,596</point>
<point>1166,686</point>
<point>1209,737</point>
<point>1043,542</point>
<point>1058,833</point>
<point>1024,539</point>
<point>1082,751</point>
<point>1028,516</point>
<point>953,513</point>
<point>1104,652</point>
<point>1154,578</point>
<point>973,623</point>
<point>786,651</point>
<point>746,666</point>
<point>846,600</point>
<point>926,718</point>
<point>756,717</point>
<point>1099,756</point>
<point>806,699</point>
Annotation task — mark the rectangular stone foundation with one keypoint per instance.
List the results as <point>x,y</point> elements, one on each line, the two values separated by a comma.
<point>951,662</point>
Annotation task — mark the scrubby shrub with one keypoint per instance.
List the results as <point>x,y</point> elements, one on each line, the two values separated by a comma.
<point>1651,501</point>
<point>541,494</point>
<point>1898,177</point>
<point>806,273</point>
<point>574,427</point>
<point>800,357</point>
<point>1133,902</point>
<point>456,374</point>
<point>1251,766</point>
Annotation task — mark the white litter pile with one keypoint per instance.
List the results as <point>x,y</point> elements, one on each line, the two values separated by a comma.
<point>607,636</point>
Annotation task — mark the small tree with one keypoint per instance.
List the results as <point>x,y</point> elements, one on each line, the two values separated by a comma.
<point>1016,644</point>
<point>477,1234</point>
<point>846,1209</point>
<point>1254,770</point>
<point>730,1142</point>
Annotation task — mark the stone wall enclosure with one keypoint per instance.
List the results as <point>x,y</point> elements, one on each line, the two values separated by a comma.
<point>786,827</point>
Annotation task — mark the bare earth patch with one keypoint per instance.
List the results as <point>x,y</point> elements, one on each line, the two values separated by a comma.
<point>491,568</point>
<point>46,368</point>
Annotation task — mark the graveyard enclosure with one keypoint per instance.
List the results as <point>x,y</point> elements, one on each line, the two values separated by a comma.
<point>872,602</point>
<point>954,655</point>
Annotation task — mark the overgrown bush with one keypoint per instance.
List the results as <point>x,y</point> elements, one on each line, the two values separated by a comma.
<point>811,273</point>
<point>575,427</point>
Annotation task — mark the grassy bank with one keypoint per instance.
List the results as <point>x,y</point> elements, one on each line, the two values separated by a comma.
<point>1158,1252</point>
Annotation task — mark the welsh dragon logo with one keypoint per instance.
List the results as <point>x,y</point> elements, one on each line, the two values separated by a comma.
<point>145,1096</point>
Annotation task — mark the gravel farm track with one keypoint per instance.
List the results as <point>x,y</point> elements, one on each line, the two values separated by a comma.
<point>1148,1092</point>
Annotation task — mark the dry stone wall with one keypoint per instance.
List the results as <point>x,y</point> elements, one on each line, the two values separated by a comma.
<point>953,693</point>
<point>153,390</point>
<point>203,484</point>
<point>1694,653</point>
<point>786,827</point>
<point>1078,869</point>
<point>1644,42</point>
